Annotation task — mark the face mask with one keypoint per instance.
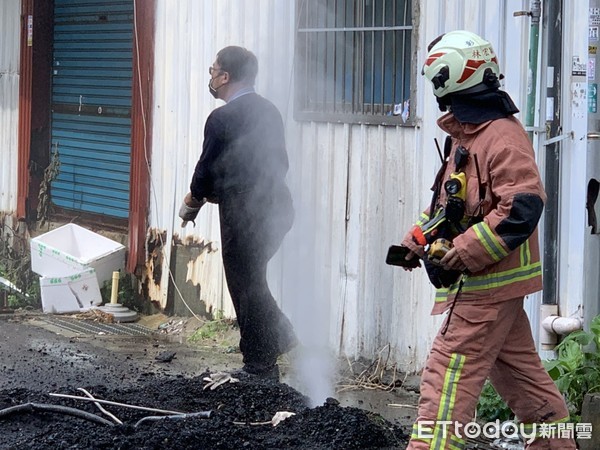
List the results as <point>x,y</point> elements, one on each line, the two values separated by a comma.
<point>214,92</point>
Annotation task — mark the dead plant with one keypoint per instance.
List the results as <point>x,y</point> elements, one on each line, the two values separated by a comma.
<point>379,374</point>
<point>95,315</point>
<point>15,266</point>
<point>44,201</point>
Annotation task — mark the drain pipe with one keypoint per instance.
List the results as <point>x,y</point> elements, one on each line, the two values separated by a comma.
<point>553,326</point>
<point>532,68</point>
<point>562,325</point>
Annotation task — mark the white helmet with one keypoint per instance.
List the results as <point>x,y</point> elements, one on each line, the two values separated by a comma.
<point>460,60</point>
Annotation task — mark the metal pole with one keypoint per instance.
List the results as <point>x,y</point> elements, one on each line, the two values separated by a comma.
<point>553,24</point>
<point>534,35</point>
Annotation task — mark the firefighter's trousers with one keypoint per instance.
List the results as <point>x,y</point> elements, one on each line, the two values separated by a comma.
<point>481,341</point>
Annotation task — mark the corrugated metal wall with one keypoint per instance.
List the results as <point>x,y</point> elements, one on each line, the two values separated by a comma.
<point>10,32</point>
<point>188,36</point>
<point>357,188</point>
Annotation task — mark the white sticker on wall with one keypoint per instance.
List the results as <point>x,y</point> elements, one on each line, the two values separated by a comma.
<point>579,67</point>
<point>549,109</point>
<point>579,102</point>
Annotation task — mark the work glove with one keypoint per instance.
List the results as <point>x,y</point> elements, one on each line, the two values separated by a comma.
<point>189,213</point>
<point>214,380</point>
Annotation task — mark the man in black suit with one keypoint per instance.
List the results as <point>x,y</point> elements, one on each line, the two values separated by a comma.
<point>242,168</point>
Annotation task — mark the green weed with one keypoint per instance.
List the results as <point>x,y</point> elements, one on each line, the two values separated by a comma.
<point>491,407</point>
<point>212,330</point>
<point>576,372</point>
<point>127,294</point>
<point>15,266</point>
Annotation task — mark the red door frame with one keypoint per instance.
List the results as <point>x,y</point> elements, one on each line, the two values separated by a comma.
<point>25,88</point>
<point>141,130</point>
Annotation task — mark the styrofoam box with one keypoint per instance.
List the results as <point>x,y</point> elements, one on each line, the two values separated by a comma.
<point>71,293</point>
<point>72,249</point>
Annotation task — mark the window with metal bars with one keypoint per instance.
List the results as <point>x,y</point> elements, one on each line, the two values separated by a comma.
<point>354,60</point>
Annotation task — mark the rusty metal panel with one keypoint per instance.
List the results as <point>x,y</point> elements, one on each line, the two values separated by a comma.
<point>10,32</point>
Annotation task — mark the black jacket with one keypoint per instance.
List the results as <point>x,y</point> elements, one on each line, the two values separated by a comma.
<point>243,152</point>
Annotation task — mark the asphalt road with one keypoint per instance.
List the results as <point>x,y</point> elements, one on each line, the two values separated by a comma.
<point>40,356</point>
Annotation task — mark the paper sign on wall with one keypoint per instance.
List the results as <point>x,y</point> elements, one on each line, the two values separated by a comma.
<point>29,31</point>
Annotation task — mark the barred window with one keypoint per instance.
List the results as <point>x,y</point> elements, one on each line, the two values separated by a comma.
<point>353,60</point>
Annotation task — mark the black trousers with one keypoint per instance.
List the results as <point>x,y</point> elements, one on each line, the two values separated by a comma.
<point>251,233</point>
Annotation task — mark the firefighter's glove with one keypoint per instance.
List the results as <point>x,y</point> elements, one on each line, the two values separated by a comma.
<point>214,380</point>
<point>453,261</point>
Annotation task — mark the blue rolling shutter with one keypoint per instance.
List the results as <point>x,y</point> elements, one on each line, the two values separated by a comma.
<point>91,105</point>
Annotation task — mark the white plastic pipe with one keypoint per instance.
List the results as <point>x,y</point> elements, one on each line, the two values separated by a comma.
<point>115,288</point>
<point>562,325</point>
<point>548,339</point>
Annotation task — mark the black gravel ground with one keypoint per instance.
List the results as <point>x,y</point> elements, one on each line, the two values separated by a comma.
<point>239,412</point>
<point>35,362</point>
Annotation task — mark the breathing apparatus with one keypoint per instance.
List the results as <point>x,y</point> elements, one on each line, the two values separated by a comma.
<point>447,221</point>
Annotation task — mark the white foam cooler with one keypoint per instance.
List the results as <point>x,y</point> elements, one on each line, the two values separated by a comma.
<point>72,249</point>
<point>70,293</point>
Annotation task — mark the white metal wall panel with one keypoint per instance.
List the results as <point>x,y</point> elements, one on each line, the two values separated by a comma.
<point>10,33</point>
<point>578,249</point>
<point>356,188</point>
<point>578,16</point>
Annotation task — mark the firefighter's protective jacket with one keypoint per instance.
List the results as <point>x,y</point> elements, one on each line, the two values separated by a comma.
<point>501,251</point>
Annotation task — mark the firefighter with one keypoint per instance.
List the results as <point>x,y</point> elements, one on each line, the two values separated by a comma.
<point>486,333</point>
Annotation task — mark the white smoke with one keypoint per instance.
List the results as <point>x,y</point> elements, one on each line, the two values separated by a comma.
<point>313,361</point>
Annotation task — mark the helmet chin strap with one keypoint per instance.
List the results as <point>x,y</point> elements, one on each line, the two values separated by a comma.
<point>444,103</point>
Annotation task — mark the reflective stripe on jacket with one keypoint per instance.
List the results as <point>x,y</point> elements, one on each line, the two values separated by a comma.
<point>501,252</point>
